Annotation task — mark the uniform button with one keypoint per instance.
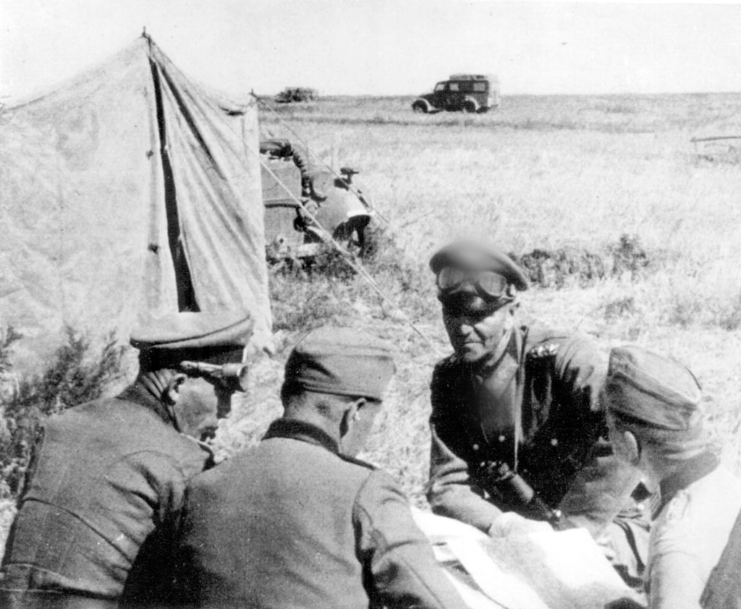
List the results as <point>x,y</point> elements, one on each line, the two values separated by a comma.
<point>501,438</point>
<point>554,442</point>
<point>475,446</point>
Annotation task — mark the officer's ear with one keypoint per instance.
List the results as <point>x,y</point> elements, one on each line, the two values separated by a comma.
<point>355,425</point>
<point>172,391</point>
<point>632,447</point>
<point>352,415</point>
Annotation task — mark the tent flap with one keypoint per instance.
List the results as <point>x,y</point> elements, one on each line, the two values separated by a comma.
<point>128,193</point>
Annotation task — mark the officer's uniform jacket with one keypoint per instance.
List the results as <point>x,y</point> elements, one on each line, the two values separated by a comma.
<point>106,475</point>
<point>563,452</point>
<point>723,590</point>
<point>700,503</point>
<point>292,523</point>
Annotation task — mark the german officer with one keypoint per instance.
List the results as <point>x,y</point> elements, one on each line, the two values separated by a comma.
<point>658,424</point>
<point>297,521</point>
<point>518,397</point>
<point>108,473</point>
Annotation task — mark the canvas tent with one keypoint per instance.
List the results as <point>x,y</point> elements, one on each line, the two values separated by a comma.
<point>128,193</point>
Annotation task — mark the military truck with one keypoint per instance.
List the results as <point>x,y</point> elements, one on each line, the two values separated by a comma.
<point>291,232</point>
<point>461,92</point>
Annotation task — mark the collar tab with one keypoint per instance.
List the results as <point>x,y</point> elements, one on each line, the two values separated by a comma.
<point>304,432</point>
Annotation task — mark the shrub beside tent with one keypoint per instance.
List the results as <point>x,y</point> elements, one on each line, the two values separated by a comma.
<point>127,193</point>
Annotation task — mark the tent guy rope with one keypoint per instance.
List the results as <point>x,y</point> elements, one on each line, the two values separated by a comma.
<point>318,158</point>
<point>351,262</point>
<point>347,256</point>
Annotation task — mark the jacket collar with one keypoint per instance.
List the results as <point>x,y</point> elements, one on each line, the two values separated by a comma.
<point>139,395</point>
<point>693,470</point>
<point>304,432</point>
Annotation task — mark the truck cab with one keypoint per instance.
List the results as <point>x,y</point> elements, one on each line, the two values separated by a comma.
<point>461,92</point>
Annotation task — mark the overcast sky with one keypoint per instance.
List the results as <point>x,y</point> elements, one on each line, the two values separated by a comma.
<point>383,47</point>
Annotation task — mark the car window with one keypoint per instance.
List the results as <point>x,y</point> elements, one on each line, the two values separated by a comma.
<point>440,86</point>
<point>453,86</point>
<point>479,86</point>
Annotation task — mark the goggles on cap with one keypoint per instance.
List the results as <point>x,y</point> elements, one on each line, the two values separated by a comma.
<point>231,376</point>
<point>489,283</point>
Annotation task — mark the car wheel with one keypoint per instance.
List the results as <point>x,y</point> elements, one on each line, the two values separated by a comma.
<point>419,107</point>
<point>469,106</point>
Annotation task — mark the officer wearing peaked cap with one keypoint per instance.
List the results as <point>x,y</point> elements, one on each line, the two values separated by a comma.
<point>297,521</point>
<point>516,396</point>
<point>109,474</point>
<point>658,424</point>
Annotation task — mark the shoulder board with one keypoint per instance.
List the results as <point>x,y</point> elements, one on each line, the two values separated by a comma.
<point>547,349</point>
<point>354,461</point>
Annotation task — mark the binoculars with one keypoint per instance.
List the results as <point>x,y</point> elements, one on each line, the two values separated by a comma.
<point>515,490</point>
<point>232,376</point>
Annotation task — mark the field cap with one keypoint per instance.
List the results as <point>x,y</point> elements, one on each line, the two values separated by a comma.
<point>652,390</point>
<point>475,256</point>
<point>341,361</point>
<point>218,337</point>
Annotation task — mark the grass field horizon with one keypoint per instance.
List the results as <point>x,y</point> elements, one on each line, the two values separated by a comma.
<point>555,173</point>
<point>542,172</point>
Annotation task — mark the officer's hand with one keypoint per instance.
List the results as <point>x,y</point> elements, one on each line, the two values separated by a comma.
<point>510,523</point>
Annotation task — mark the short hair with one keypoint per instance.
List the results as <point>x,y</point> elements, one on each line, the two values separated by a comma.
<point>296,396</point>
<point>665,443</point>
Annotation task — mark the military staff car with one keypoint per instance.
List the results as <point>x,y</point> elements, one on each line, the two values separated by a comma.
<point>333,203</point>
<point>461,92</point>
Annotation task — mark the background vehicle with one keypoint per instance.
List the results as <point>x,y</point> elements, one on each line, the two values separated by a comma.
<point>296,94</point>
<point>461,92</point>
<point>289,230</point>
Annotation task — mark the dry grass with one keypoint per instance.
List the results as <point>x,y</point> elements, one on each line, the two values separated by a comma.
<point>544,172</point>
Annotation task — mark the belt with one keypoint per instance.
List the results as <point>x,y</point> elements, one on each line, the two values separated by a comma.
<point>38,599</point>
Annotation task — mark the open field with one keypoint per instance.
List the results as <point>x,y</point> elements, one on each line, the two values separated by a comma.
<point>543,172</point>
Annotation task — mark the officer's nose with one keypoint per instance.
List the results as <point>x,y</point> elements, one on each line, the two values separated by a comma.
<point>466,330</point>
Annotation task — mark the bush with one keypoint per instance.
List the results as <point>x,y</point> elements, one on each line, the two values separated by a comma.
<point>73,377</point>
<point>628,256</point>
<point>620,307</point>
<point>556,268</point>
<point>327,290</point>
<point>405,279</point>
<point>569,265</point>
<point>296,94</point>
